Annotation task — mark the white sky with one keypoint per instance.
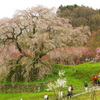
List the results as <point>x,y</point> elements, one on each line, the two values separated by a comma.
<point>8,7</point>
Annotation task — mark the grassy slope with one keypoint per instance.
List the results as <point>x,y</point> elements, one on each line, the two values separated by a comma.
<point>25,96</point>
<point>76,75</point>
<point>87,96</point>
<point>39,96</point>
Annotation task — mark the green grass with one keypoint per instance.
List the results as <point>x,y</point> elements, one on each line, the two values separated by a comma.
<point>78,72</point>
<point>25,96</point>
<point>39,96</point>
<point>75,75</point>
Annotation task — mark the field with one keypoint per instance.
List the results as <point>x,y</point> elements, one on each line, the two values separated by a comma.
<point>39,96</point>
<point>75,75</point>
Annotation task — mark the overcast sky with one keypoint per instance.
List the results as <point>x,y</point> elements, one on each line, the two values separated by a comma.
<point>8,7</point>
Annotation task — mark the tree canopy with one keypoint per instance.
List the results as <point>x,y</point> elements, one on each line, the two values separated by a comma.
<point>80,15</point>
<point>33,33</point>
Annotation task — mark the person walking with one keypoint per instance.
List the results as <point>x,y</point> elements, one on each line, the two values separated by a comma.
<point>69,92</point>
<point>86,86</point>
<point>46,97</point>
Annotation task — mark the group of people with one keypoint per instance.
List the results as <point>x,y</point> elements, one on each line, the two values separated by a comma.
<point>69,95</point>
<point>96,79</point>
<point>70,91</point>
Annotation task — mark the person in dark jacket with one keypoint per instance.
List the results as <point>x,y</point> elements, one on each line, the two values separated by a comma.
<point>86,86</point>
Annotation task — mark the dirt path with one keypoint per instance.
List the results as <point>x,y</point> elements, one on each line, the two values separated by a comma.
<point>90,90</point>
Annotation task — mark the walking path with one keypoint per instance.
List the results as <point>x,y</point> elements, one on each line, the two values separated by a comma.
<point>90,90</point>
<point>95,88</point>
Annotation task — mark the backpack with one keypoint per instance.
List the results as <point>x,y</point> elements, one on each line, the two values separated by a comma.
<point>86,84</point>
<point>72,88</point>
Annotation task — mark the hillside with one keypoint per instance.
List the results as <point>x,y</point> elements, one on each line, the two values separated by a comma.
<point>81,16</point>
<point>75,75</point>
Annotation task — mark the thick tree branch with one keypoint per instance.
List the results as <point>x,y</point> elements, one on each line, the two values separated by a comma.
<point>19,58</point>
<point>21,51</point>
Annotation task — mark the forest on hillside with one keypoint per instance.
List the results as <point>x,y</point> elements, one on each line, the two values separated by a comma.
<point>36,37</point>
<point>84,16</point>
<point>81,16</point>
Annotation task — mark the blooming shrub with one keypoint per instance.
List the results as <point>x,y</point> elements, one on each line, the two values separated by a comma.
<point>70,55</point>
<point>59,84</point>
